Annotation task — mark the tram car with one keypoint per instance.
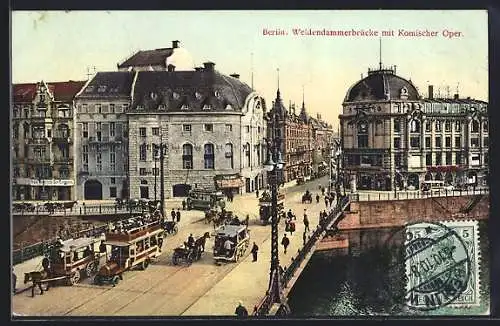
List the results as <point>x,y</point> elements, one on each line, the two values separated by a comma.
<point>239,239</point>
<point>265,205</point>
<point>132,243</point>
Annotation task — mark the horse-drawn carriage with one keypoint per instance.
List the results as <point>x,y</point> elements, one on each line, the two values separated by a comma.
<point>170,227</point>
<point>231,242</point>
<point>218,218</point>
<point>205,199</point>
<point>69,260</point>
<point>307,197</point>
<point>189,253</point>
<point>131,243</point>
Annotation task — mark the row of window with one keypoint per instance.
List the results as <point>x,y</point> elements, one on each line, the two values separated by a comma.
<point>415,126</point>
<point>415,142</point>
<point>102,108</point>
<point>109,130</point>
<point>460,159</point>
<point>43,173</point>
<point>64,113</point>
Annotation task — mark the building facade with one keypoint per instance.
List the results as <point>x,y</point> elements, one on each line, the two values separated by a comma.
<point>321,145</point>
<point>393,138</point>
<point>42,140</point>
<point>210,124</point>
<point>101,139</point>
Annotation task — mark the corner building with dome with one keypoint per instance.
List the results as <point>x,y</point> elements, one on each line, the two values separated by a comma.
<point>394,139</point>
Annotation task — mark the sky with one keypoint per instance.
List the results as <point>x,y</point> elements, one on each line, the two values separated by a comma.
<point>59,46</point>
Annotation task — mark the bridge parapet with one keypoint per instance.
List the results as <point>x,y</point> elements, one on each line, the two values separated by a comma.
<point>264,306</point>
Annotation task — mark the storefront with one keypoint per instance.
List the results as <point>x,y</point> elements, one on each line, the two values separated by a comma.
<point>43,189</point>
<point>229,183</point>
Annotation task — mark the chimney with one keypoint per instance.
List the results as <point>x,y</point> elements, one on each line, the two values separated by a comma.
<point>431,92</point>
<point>237,76</point>
<point>455,97</point>
<point>198,68</point>
<point>171,67</point>
<point>175,44</point>
<point>209,66</point>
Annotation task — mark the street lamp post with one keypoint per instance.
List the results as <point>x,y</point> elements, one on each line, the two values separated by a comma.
<point>155,158</point>
<point>274,164</point>
<point>162,176</point>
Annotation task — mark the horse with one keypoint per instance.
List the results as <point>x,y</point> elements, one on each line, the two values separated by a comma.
<point>200,242</point>
<point>36,278</point>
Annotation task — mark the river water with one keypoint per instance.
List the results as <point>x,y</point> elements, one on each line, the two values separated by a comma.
<point>362,281</point>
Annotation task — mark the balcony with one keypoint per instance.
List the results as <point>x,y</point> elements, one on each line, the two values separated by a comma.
<point>38,160</point>
<point>61,138</point>
<point>37,141</point>
<point>63,160</point>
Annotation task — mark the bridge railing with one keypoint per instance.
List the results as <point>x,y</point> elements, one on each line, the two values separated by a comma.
<point>82,210</point>
<point>263,307</point>
<point>405,195</point>
<point>39,249</point>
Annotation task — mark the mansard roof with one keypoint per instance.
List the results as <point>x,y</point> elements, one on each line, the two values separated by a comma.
<point>172,90</point>
<point>108,84</point>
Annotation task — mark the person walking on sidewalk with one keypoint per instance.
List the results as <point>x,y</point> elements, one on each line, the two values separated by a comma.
<point>306,222</point>
<point>241,311</point>
<point>178,215</point>
<point>326,201</point>
<point>317,198</point>
<point>291,227</point>
<point>257,193</point>
<point>285,242</point>
<point>172,214</point>
<point>184,205</point>
<point>255,250</point>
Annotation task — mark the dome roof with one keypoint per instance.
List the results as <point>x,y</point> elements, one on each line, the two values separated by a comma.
<point>380,83</point>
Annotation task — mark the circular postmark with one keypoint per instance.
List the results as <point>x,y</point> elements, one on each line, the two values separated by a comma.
<point>436,264</point>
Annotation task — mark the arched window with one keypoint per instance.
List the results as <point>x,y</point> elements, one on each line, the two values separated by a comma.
<point>229,155</point>
<point>475,126</point>
<point>187,156</point>
<point>246,149</point>
<point>362,134</point>
<point>414,125</point>
<point>62,131</point>
<point>209,156</point>
<point>142,152</point>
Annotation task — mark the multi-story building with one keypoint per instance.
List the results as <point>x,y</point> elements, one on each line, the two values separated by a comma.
<point>101,139</point>
<point>210,124</point>
<point>393,138</point>
<point>43,137</point>
<point>321,145</point>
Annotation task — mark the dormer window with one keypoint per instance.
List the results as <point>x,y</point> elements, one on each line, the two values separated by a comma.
<point>152,95</point>
<point>229,107</point>
<point>207,107</point>
<point>176,96</point>
<point>140,107</point>
<point>89,89</point>
<point>184,107</point>
<point>404,93</point>
<point>161,107</point>
<point>197,95</point>
<point>101,89</point>
<point>217,94</point>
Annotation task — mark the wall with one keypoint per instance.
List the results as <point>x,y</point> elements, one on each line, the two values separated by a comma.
<point>397,212</point>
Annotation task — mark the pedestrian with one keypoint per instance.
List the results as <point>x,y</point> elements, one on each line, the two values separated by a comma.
<point>241,311</point>
<point>289,214</point>
<point>190,241</point>
<point>172,214</point>
<point>14,281</point>
<point>326,201</point>
<point>257,193</point>
<point>317,198</point>
<point>331,200</point>
<point>178,215</point>
<point>255,250</point>
<point>184,205</point>
<point>304,237</point>
<point>247,219</point>
<point>292,227</point>
<point>285,242</point>
<point>322,191</point>
<point>306,221</point>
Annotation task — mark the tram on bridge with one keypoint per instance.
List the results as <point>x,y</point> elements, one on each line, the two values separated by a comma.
<point>131,243</point>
